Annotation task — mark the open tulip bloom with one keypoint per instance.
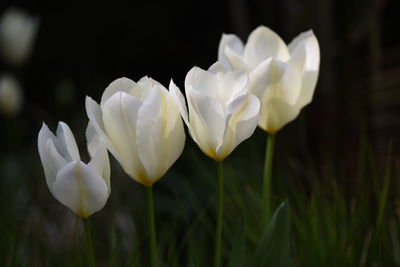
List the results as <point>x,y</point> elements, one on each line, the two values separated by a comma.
<point>140,125</point>
<point>282,77</point>
<point>84,188</point>
<point>222,113</point>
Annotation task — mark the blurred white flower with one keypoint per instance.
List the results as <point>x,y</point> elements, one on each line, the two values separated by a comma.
<point>17,35</point>
<point>222,113</point>
<point>282,77</point>
<point>10,95</point>
<point>84,188</point>
<point>141,126</point>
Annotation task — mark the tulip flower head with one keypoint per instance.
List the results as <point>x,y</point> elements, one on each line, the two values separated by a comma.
<point>222,113</point>
<point>84,188</point>
<point>17,35</point>
<point>141,126</point>
<point>282,77</point>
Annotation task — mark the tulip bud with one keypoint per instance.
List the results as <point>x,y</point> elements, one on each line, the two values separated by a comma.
<point>84,188</point>
<point>17,35</point>
<point>10,95</point>
<point>222,113</point>
<point>282,77</point>
<point>140,125</point>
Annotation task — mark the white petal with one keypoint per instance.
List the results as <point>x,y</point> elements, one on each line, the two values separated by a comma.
<point>95,116</point>
<point>81,189</point>
<point>242,122</point>
<point>245,120</point>
<point>175,133</point>
<point>179,100</point>
<point>175,141</point>
<point>180,103</point>
<point>65,143</point>
<point>231,85</point>
<point>202,81</point>
<point>276,79</point>
<point>92,139</point>
<point>147,82</point>
<point>217,67</point>
<point>308,84</point>
<point>119,117</point>
<point>234,43</point>
<point>44,135</point>
<point>160,134</point>
<point>259,78</point>
<point>51,160</point>
<point>276,113</point>
<point>150,134</point>
<point>277,85</point>
<point>263,44</point>
<point>207,120</point>
<point>290,84</point>
<point>305,49</point>
<point>235,60</point>
<point>101,164</point>
<point>119,85</point>
<point>305,55</point>
<point>54,159</point>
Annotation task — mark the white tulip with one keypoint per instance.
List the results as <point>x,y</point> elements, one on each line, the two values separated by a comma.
<point>10,94</point>
<point>17,35</point>
<point>84,188</point>
<point>222,113</point>
<point>282,77</point>
<point>141,126</point>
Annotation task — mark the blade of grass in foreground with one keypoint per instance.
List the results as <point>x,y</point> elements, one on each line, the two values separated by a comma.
<point>274,247</point>
<point>385,189</point>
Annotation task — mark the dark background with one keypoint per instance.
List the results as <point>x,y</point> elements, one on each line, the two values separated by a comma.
<point>82,47</point>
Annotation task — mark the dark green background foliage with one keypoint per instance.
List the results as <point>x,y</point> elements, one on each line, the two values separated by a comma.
<point>337,164</point>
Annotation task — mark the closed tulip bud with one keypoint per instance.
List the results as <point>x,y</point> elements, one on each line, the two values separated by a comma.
<point>84,188</point>
<point>282,77</point>
<point>17,35</point>
<point>141,126</point>
<point>10,95</point>
<point>221,111</point>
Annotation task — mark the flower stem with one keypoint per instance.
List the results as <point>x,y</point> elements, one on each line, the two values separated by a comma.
<point>220,208</point>
<point>266,194</point>
<point>89,243</point>
<point>151,225</point>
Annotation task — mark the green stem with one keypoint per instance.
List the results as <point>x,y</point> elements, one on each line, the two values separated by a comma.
<point>89,243</point>
<point>266,194</point>
<point>220,209</point>
<point>152,227</point>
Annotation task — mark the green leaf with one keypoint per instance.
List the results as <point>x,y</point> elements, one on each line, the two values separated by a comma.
<point>274,247</point>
